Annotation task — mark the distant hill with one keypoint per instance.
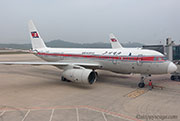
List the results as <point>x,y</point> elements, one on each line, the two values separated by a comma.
<point>64,44</point>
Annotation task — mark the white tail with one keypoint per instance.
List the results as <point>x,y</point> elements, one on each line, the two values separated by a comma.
<point>114,42</point>
<point>36,40</point>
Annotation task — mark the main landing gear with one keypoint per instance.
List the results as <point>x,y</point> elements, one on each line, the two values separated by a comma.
<point>141,84</point>
<point>64,79</point>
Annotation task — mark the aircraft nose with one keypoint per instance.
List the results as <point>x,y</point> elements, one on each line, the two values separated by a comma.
<point>171,67</point>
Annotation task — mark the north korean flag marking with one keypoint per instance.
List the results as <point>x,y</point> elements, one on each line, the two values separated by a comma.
<point>113,40</point>
<point>34,34</point>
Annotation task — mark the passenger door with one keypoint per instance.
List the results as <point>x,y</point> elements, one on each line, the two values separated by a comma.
<point>139,60</point>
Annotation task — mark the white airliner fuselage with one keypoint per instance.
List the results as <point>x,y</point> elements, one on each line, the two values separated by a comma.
<point>125,60</point>
<point>79,65</point>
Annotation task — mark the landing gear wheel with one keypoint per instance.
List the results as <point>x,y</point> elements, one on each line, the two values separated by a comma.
<point>179,78</point>
<point>63,79</point>
<point>175,78</point>
<point>172,77</point>
<point>141,85</point>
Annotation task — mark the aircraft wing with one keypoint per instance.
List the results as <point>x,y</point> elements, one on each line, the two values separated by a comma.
<point>86,65</point>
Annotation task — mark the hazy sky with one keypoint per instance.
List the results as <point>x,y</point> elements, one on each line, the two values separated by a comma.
<point>144,21</point>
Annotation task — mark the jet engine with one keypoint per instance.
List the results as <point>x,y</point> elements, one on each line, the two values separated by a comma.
<point>85,76</point>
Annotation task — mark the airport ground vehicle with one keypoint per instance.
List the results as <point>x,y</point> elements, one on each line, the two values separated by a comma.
<point>176,75</point>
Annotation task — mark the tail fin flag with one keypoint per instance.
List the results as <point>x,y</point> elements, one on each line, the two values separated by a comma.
<point>114,42</point>
<point>36,40</point>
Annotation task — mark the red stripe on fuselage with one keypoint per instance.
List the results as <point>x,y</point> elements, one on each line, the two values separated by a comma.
<point>150,58</point>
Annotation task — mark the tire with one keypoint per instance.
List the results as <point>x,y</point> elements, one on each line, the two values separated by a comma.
<point>63,79</point>
<point>179,78</point>
<point>141,85</point>
<point>172,77</point>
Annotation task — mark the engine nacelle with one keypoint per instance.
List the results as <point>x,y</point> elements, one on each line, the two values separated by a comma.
<point>85,76</point>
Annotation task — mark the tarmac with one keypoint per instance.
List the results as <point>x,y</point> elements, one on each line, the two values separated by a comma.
<point>36,93</point>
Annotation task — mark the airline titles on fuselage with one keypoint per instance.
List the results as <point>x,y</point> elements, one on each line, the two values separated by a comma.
<point>111,53</point>
<point>115,53</point>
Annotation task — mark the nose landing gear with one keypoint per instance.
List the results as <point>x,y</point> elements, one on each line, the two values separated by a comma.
<point>141,84</point>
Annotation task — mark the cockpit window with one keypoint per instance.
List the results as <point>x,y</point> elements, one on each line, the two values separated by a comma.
<point>164,58</point>
<point>159,58</point>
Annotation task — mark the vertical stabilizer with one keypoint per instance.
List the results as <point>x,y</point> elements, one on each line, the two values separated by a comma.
<point>36,40</point>
<point>114,42</point>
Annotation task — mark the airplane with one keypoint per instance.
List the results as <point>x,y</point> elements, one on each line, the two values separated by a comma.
<point>80,64</point>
